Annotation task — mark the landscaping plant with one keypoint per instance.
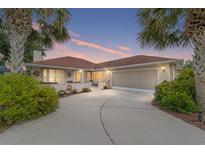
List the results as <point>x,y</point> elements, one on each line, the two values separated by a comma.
<point>86,90</point>
<point>74,91</point>
<point>27,29</point>
<point>23,97</point>
<point>178,101</point>
<point>165,28</point>
<point>178,95</point>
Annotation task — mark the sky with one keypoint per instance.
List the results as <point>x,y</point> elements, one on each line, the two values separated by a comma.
<point>100,35</point>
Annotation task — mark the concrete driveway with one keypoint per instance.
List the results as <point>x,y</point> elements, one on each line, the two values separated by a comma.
<point>105,117</point>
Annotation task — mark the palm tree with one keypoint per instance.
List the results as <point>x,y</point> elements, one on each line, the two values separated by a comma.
<point>168,28</point>
<point>4,48</point>
<point>35,41</point>
<point>17,24</point>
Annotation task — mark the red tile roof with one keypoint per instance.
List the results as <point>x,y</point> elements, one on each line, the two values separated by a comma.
<point>84,64</point>
<point>139,59</point>
<point>67,62</point>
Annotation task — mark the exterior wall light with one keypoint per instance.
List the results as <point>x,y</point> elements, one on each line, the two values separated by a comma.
<point>107,71</point>
<point>163,68</point>
<point>80,70</point>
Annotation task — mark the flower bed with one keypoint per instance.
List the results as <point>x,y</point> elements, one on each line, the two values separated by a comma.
<point>66,93</point>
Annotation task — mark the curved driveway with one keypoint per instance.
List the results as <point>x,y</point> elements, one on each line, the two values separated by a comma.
<point>105,117</point>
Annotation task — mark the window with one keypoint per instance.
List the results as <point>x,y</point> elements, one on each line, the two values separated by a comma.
<point>60,76</point>
<point>78,76</point>
<point>98,76</point>
<point>88,76</point>
<point>51,75</point>
<point>45,75</point>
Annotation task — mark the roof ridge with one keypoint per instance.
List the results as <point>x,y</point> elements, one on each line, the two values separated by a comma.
<point>135,56</point>
<point>63,58</point>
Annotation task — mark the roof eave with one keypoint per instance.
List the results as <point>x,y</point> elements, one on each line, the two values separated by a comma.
<point>118,67</point>
<point>58,67</point>
<point>144,64</point>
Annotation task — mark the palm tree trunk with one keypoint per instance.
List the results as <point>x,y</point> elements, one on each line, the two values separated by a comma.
<point>200,92</point>
<point>195,30</point>
<point>18,27</point>
<point>16,52</point>
<point>199,69</point>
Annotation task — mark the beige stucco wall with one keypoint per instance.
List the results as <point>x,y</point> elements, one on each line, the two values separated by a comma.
<point>164,75</point>
<point>40,70</point>
<point>168,74</point>
<point>173,71</point>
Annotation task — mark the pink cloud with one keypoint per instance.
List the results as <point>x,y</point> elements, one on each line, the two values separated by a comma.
<point>74,34</point>
<point>96,46</point>
<point>62,50</point>
<point>186,55</point>
<point>123,48</point>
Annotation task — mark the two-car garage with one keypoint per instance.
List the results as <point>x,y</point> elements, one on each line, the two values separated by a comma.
<point>135,79</point>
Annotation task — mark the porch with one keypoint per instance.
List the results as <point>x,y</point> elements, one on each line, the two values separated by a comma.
<point>77,78</point>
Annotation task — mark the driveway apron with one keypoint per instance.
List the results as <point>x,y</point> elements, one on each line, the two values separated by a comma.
<point>105,117</point>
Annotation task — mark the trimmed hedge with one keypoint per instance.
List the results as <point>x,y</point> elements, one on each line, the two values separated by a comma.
<point>23,97</point>
<point>178,95</point>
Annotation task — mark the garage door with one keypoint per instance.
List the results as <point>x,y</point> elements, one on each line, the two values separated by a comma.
<point>140,79</point>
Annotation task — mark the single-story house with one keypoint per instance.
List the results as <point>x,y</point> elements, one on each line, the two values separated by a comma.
<point>136,72</point>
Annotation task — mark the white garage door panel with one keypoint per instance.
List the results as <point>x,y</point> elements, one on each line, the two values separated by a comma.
<point>140,79</point>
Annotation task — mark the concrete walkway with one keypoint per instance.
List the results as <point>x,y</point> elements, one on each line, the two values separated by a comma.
<point>105,117</point>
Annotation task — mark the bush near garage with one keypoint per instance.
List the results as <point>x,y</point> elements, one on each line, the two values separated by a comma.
<point>178,95</point>
<point>86,90</point>
<point>23,97</point>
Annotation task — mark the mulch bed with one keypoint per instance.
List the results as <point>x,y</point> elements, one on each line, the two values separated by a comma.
<point>189,118</point>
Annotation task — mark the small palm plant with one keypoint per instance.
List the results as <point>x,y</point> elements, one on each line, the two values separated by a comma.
<point>168,28</point>
<point>17,24</point>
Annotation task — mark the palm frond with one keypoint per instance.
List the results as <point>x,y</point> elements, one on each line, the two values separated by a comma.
<point>162,28</point>
<point>53,23</point>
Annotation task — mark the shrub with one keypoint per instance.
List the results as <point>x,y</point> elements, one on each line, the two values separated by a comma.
<point>185,82</point>
<point>74,91</point>
<point>61,93</point>
<point>161,89</point>
<point>187,86</point>
<point>22,97</point>
<point>86,89</point>
<point>178,95</point>
<point>178,102</point>
<point>185,74</point>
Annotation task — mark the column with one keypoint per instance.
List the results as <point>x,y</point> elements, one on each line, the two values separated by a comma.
<point>82,76</point>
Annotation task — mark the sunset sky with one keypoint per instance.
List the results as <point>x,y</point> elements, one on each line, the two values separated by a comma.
<point>105,34</point>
